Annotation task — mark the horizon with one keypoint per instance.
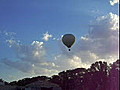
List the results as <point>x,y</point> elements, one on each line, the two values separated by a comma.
<point>57,73</point>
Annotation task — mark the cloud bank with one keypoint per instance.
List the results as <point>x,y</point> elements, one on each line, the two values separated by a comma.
<point>100,43</point>
<point>30,58</point>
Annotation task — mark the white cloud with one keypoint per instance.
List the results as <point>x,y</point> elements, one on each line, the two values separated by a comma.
<point>103,37</point>
<point>101,43</point>
<point>4,35</point>
<point>30,58</point>
<point>113,2</point>
<point>54,38</point>
<point>13,42</point>
<point>47,36</point>
<point>64,62</point>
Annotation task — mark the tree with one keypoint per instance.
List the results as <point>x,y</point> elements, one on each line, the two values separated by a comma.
<point>96,76</point>
<point>114,76</point>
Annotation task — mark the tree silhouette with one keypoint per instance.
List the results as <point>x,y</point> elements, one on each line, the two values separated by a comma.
<point>114,76</point>
<point>96,76</point>
<point>100,76</point>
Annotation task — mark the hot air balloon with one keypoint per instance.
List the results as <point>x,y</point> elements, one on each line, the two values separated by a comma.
<point>68,40</point>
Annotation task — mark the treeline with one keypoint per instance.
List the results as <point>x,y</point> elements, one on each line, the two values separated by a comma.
<point>100,76</point>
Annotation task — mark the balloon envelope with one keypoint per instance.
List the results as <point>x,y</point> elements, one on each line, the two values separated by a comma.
<point>68,40</point>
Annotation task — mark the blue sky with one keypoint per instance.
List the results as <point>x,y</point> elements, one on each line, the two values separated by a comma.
<point>30,19</point>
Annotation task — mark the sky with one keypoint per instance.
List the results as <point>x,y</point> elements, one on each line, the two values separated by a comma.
<point>31,32</point>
